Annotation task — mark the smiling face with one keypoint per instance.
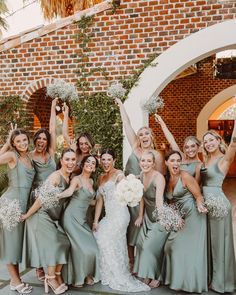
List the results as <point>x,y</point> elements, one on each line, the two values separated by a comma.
<point>68,162</point>
<point>90,165</point>
<point>107,162</point>
<point>145,138</point>
<point>41,143</point>
<point>211,143</point>
<point>191,149</point>
<point>84,145</point>
<point>173,163</point>
<point>21,143</point>
<point>147,162</point>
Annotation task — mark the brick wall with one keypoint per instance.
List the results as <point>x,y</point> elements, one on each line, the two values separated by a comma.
<point>120,42</point>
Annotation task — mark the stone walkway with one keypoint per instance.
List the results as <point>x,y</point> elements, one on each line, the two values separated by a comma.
<point>29,275</point>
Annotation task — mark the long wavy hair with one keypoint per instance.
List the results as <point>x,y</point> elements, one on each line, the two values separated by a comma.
<point>167,156</point>
<point>89,139</point>
<point>47,134</point>
<point>153,143</point>
<point>222,146</point>
<point>15,133</point>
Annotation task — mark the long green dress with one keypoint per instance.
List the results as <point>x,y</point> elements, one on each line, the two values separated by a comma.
<point>45,242</point>
<point>221,256</point>
<point>43,170</point>
<point>185,260</point>
<point>132,167</point>
<point>20,182</point>
<point>151,240</point>
<point>83,259</point>
<point>190,167</point>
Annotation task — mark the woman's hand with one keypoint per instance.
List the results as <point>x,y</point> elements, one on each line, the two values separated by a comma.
<point>73,144</point>
<point>158,119</point>
<point>65,109</point>
<point>95,226</point>
<point>201,208</point>
<point>138,221</point>
<point>23,217</point>
<point>118,102</point>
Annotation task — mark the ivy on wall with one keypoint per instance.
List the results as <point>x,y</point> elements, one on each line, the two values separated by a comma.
<point>96,113</point>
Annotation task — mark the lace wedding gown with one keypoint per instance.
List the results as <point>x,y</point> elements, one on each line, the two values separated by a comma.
<point>112,244</point>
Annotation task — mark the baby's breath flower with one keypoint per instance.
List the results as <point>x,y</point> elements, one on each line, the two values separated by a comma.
<point>10,213</point>
<point>154,104</point>
<point>47,193</point>
<point>218,206</point>
<point>116,90</point>
<point>65,91</point>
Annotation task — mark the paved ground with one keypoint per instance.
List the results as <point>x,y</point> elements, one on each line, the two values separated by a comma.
<point>29,275</point>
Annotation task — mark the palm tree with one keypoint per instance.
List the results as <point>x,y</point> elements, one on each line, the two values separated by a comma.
<point>63,8</point>
<point>3,10</point>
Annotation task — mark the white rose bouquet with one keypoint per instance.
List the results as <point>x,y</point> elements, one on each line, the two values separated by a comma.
<point>129,191</point>
<point>65,91</point>
<point>10,213</point>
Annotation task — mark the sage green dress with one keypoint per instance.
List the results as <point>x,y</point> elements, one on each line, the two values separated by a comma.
<point>190,167</point>
<point>43,170</point>
<point>132,167</point>
<point>221,256</point>
<point>20,182</point>
<point>83,258</point>
<point>185,262</point>
<point>45,242</point>
<point>151,240</point>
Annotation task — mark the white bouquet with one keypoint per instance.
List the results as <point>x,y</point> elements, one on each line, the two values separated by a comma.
<point>10,213</point>
<point>47,193</point>
<point>169,217</point>
<point>65,91</point>
<point>218,206</point>
<point>154,104</point>
<point>116,90</point>
<point>129,191</point>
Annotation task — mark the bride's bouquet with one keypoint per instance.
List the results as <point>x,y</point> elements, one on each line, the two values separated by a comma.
<point>48,195</point>
<point>129,191</point>
<point>10,213</point>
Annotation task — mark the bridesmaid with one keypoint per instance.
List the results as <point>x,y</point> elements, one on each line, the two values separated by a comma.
<point>191,161</point>
<point>140,142</point>
<point>43,159</point>
<point>222,268</point>
<point>185,259</point>
<point>21,174</point>
<point>152,236</point>
<point>83,264</point>
<point>45,243</point>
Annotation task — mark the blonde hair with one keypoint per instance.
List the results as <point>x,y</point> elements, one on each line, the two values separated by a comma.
<point>192,138</point>
<point>222,146</point>
<point>153,143</point>
<point>148,153</point>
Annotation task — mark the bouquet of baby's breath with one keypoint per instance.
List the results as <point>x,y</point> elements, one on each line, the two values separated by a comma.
<point>218,206</point>
<point>65,91</point>
<point>47,193</point>
<point>10,213</point>
<point>154,104</point>
<point>129,191</point>
<point>169,217</point>
<point>116,90</point>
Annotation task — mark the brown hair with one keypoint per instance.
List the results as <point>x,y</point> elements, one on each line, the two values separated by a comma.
<point>15,133</point>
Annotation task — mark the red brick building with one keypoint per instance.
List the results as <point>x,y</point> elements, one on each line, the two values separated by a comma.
<point>120,42</point>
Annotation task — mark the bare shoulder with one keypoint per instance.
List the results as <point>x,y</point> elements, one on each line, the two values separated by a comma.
<point>54,178</point>
<point>159,177</point>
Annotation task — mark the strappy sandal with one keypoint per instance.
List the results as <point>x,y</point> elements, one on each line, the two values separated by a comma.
<point>89,281</point>
<point>22,288</point>
<point>40,274</point>
<point>47,284</point>
<point>63,285</point>
<point>154,284</point>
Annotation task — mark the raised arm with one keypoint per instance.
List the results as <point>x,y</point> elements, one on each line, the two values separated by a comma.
<point>129,131</point>
<point>8,158</point>
<point>7,145</point>
<point>168,135</point>
<point>69,192</point>
<point>160,187</point>
<point>228,158</point>
<point>191,184</point>
<point>52,128</point>
<point>65,132</point>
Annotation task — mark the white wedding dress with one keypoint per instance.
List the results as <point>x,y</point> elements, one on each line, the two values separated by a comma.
<point>112,244</point>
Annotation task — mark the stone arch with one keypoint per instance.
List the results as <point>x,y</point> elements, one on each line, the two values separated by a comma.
<point>211,106</point>
<point>173,61</point>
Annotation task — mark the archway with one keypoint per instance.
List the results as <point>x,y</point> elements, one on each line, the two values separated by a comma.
<point>173,61</point>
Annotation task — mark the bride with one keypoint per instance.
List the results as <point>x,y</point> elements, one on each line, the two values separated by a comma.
<point>110,232</point>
